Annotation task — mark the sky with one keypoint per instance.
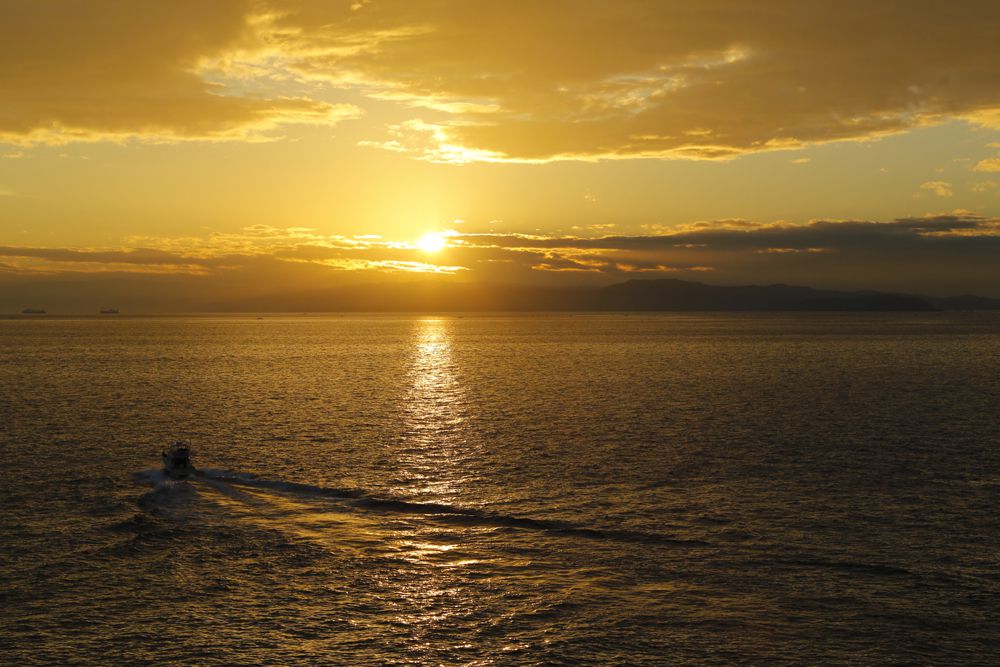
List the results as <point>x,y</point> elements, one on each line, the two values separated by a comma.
<point>173,152</point>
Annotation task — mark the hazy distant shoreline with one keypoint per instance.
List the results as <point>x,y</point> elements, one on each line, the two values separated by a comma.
<point>664,295</point>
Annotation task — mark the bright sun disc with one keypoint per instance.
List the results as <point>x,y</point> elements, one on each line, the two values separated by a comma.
<point>432,242</point>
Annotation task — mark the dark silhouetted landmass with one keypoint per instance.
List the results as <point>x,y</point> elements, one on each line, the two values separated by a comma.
<point>633,295</point>
<point>965,302</point>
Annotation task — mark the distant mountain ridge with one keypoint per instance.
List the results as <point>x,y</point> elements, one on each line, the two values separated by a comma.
<point>663,294</point>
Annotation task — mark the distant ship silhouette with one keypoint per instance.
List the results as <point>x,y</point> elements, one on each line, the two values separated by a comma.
<point>109,311</point>
<point>33,311</point>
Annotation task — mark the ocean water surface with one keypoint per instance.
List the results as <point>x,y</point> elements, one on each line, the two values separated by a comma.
<point>494,490</point>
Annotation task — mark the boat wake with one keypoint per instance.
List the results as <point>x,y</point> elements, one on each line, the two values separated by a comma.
<point>165,492</point>
<point>357,499</point>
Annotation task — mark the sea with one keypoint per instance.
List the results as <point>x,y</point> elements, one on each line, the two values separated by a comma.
<point>481,489</point>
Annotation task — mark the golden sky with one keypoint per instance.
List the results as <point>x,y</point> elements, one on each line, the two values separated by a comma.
<point>300,143</point>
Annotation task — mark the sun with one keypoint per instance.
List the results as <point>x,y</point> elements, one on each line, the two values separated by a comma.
<point>432,242</point>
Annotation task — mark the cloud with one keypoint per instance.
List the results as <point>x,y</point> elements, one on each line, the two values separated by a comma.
<point>110,70</point>
<point>990,164</point>
<point>983,186</point>
<point>222,252</point>
<point>516,81</point>
<point>537,81</point>
<point>940,188</point>
<point>941,254</point>
<point>141,260</point>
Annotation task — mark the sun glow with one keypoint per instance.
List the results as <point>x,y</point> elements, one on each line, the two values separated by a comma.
<point>432,242</point>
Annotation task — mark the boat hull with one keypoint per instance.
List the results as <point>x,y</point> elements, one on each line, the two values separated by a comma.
<point>176,468</point>
<point>178,474</point>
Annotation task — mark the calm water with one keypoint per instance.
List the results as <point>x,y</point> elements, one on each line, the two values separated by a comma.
<point>809,489</point>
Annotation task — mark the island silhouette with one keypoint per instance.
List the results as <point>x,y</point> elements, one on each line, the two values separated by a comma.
<point>632,295</point>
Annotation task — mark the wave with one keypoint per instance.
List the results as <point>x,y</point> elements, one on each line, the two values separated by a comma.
<point>445,513</point>
<point>848,566</point>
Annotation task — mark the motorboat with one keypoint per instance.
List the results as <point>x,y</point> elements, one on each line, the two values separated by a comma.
<point>177,461</point>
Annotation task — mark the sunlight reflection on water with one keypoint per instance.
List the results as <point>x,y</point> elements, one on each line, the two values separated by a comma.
<point>434,414</point>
